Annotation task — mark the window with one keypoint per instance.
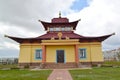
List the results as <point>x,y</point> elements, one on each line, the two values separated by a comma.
<point>57,29</point>
<point>51,29</point>
<point>68,28</point>
<point>62,29</point>
<point>38,54</point>
<point>82,53</point>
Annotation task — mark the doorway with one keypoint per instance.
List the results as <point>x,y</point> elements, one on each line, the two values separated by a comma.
<point>60,56</point>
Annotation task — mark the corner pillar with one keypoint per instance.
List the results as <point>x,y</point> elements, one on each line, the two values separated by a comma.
<point>43,54</point>
<point>76,54</point>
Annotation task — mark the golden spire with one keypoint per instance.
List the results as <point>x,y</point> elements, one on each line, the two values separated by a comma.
<point>59,14</point>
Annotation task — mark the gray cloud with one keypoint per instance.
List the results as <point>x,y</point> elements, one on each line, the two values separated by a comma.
<point>20,18</point>
<point>25,13</point>
<point>13,53</point>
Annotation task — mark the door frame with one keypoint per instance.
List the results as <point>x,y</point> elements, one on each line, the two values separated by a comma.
<point>64,56</point>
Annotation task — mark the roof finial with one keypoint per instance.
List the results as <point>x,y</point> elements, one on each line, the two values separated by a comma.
<point>59,14</point>
<point>5,35</point>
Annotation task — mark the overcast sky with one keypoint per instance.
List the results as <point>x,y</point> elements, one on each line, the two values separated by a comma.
<point>20,18</point>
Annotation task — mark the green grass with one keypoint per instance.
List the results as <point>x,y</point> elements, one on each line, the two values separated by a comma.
<point>114,63</point>
<point>96,74</point>
<point>8,66</point>
<point>24,74</point>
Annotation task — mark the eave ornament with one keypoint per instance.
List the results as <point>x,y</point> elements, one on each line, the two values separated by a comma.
<point>60,35</point>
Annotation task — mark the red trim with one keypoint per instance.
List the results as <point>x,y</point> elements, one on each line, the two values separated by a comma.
<point>76,54</point>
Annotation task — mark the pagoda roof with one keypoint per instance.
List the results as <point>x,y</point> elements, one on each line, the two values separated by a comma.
<point>49,35</point>
<point>69,34</point>
<point>23,40</point>
<point>60,20</point>
<point>95,39</point>
<point>56,22</point>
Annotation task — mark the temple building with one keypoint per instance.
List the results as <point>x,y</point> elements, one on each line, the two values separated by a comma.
<point>60,47</point>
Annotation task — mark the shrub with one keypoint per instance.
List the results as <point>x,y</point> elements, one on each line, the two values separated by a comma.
<point>26,66</point>
<point>106,65</point>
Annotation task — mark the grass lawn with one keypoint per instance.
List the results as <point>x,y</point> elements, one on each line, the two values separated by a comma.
<point>24,75</point>
<point>108,73</point>
<point>8,66</point>
<point>114,63</point>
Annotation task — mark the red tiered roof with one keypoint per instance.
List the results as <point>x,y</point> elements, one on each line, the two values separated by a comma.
<point>72,35</point>
<point>70,24</point>
<point>60,22</point>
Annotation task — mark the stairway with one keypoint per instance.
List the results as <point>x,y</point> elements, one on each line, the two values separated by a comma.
<point>59,65</point>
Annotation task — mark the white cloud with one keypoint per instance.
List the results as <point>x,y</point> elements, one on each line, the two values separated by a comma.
<point>10,45</point>
<point>20,18</point>
<point>26,13</point>
<point>99,18</point>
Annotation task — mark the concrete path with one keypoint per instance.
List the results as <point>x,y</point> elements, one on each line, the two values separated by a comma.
<point>60,74</point>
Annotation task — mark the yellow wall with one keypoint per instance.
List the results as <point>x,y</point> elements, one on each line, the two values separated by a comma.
<point>51,53</point>
<point>96,53</point>
<point>27,53</point>
<point>87,47</point>
<point>93,52</point>
<point>34,48</point>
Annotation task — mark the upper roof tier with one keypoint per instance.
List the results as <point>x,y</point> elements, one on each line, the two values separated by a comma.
<point>59,22</point>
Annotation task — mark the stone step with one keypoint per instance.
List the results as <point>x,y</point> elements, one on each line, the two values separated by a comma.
<point>60,65</point>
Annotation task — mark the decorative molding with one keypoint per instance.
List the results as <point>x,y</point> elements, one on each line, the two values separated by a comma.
<point>60,35</point>
<point>67,38</point>
<point>52,38</point>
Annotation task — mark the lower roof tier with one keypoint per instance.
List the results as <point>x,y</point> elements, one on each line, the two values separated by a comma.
<point>60,36</point>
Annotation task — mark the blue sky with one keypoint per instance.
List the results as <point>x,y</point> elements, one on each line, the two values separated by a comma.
<point>79,5</point>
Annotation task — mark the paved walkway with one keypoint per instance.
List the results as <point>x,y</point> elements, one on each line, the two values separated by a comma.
<point>60,74</point>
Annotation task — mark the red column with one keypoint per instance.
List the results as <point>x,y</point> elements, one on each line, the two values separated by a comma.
<point>43,54</point>
<point>76,54</point>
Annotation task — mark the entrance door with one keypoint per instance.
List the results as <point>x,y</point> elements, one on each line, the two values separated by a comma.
<point>60,56</point>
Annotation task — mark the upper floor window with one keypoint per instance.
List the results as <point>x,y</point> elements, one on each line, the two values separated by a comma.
<point>82,53</point>
<point>68,28</point>
<point>60,29</point>
<point>38,54</point>
<point>51,29</point>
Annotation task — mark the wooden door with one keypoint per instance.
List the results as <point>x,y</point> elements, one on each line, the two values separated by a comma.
<point>60,56</point>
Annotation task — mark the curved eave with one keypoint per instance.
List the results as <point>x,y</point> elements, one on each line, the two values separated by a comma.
<point>23,40</point>
<point>48,24</point>
<point>95,39</point>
